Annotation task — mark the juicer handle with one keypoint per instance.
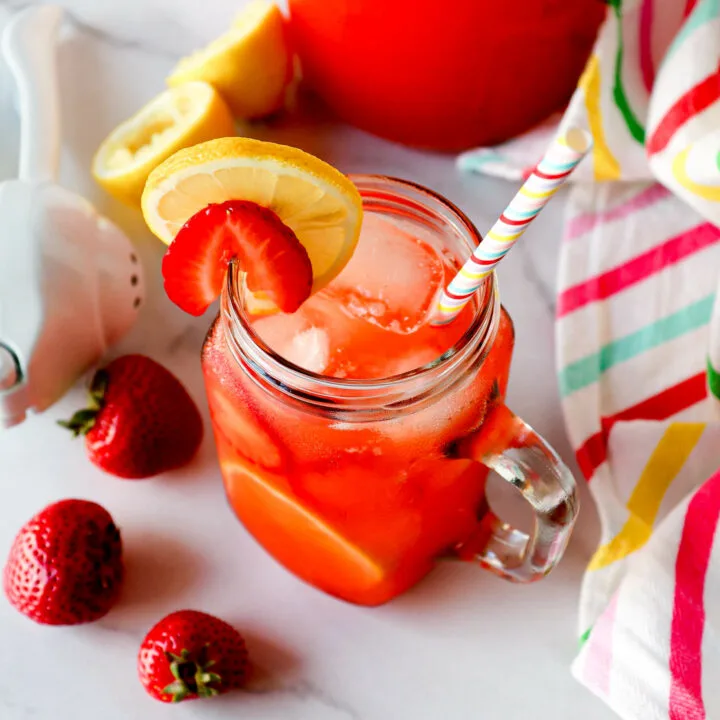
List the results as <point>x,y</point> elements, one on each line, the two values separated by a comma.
<point>29,45</point>
<point>510,447</point>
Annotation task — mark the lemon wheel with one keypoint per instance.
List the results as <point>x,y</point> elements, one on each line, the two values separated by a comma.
<point>317,202</point>
<point>300,539</point>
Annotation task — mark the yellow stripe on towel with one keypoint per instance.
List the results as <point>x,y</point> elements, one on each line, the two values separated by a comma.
<point>666,461</point>
<point>606,167</point>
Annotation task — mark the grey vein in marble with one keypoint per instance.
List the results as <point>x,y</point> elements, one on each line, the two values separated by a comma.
<point>91,30</point>
<point>189,338</point>
<point>534,278</point>
<point>305,690</point>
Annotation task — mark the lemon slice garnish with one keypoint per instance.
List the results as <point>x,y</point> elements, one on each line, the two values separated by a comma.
<point>318,202</point>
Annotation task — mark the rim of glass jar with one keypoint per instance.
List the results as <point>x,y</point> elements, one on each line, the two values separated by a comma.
<point>415,386</point>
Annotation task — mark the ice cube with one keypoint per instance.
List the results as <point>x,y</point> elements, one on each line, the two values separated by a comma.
<point>392,278</point>
<point>404,362</point>
<point>277,331</point>
<point>310,350</point>
<point>295,338</point>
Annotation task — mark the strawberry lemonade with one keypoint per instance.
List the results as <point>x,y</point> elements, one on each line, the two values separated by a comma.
<point>354,437</point>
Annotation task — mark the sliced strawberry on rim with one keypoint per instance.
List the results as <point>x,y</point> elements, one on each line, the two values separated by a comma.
<point>196,262</point>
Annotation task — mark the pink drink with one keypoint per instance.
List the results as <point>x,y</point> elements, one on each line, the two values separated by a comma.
<point>373,319</point>
<point>355,477</point>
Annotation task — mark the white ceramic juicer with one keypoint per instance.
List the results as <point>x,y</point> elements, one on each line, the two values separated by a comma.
<point>70,281</point>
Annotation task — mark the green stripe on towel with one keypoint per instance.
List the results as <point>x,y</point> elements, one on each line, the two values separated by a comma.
<point>713,379</point>
<point>588,370</point>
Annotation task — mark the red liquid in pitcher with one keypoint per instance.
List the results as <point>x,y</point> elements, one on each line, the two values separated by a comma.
<point>359,509</point>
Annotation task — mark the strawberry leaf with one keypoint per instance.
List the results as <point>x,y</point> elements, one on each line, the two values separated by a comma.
<point>179,690</point>
<point>204,691</point>
<point>80,423</point>
<point>98,388</point>
<point>191,676</point>
<point>83,421</point>
<point>205,678</point>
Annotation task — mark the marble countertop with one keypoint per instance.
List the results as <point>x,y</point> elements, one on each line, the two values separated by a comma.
<point>462,645</point>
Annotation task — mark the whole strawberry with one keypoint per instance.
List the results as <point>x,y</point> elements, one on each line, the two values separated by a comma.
<point>65,565</point>
<point>141,420</point>
<point>190,654</point>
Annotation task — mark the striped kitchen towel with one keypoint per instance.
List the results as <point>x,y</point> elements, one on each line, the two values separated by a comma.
<point>638,349</point>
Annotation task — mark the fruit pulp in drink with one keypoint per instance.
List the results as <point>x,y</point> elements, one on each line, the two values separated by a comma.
<point>359,508</point>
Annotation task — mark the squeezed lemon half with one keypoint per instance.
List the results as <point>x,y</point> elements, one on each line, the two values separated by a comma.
<point>179,117</point>
<point>250,65</point>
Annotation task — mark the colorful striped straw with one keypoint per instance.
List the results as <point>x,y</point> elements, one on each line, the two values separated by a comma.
<point>562,157</point>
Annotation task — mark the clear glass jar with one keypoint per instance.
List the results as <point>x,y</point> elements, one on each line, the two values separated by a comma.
<point>359,486</point>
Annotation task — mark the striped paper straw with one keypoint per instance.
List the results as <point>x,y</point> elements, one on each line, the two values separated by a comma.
<point>562,157</point>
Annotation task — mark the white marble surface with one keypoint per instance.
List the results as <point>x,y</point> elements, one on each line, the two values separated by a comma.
<point>460,646</point>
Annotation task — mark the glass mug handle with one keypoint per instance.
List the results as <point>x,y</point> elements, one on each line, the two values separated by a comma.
<point>522,458</point>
